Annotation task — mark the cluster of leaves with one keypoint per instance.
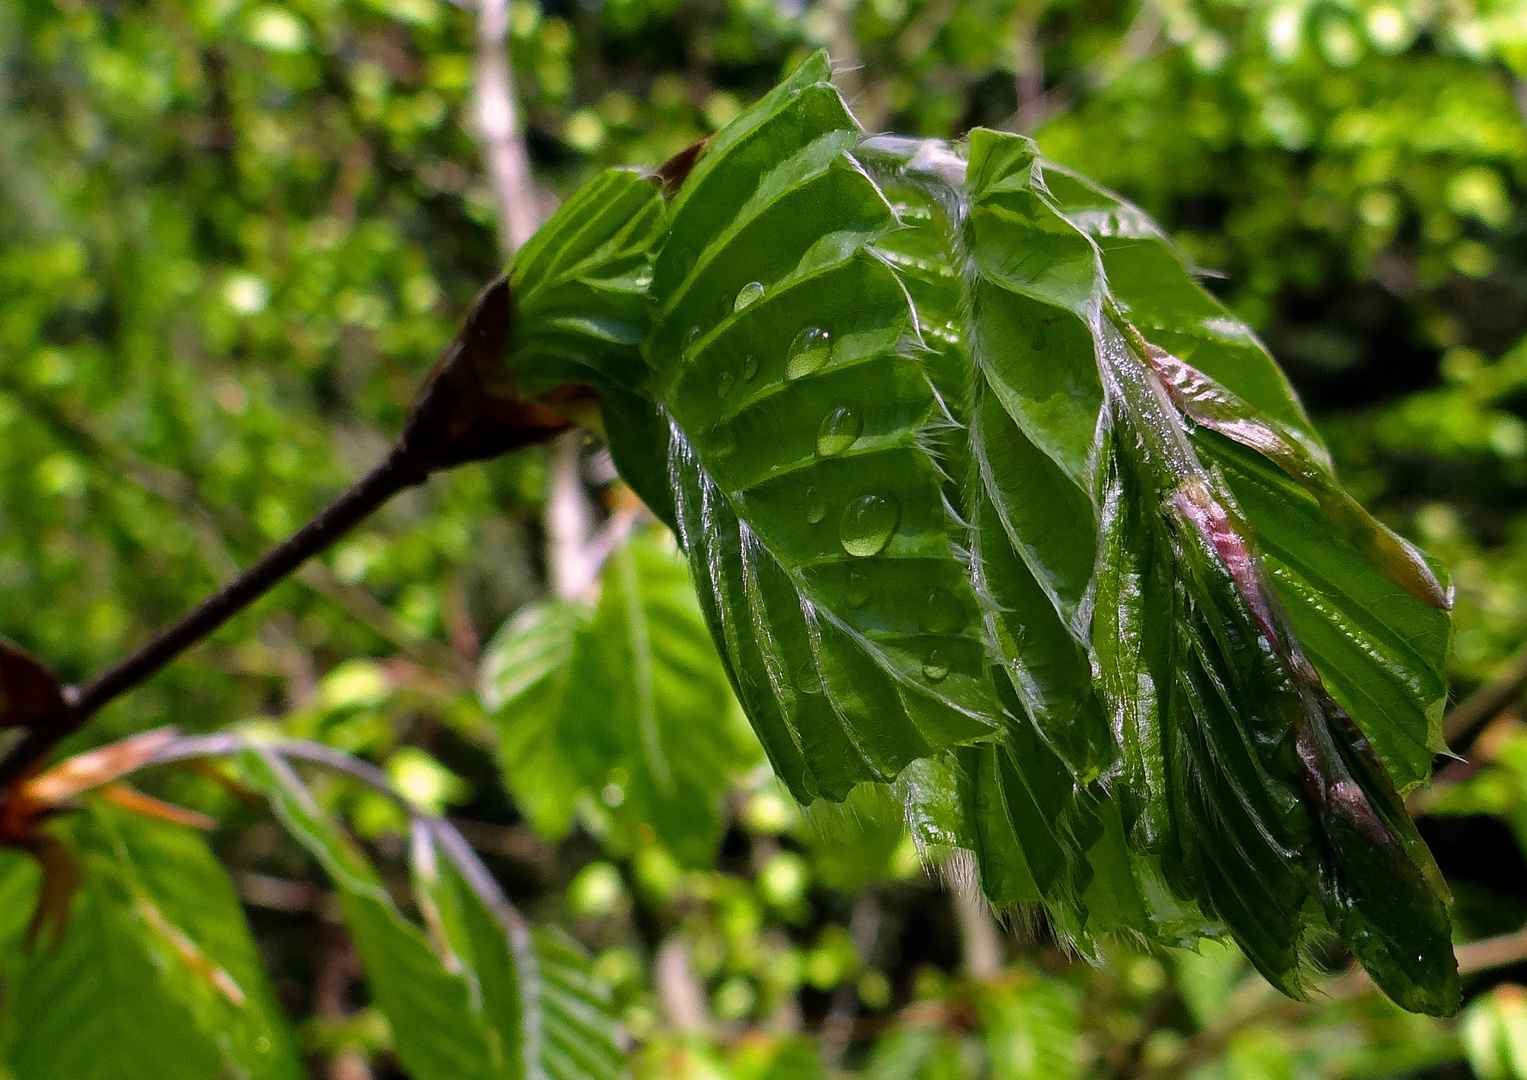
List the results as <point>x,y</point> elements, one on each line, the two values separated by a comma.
<point>155,943</point>
<point>938,490</point>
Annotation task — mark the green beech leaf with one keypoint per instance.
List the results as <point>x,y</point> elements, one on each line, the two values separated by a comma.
<point>468,995</point>
<point>505,964</point>
<point>982,490</point>
<point>1025,818</point>
<point>579,288</point>
<point>1151,283</point>
<point>626,706</point>
<point>1275,763</point>
<point>1340,572</point>
<point>1242,774</point>
<point>581,313</point>
<point>809,495</point>
<point>1358,594</point>
<point>156,976</point>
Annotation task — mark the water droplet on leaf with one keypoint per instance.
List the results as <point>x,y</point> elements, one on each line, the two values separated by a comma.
<point>749,368</point>
<point>725,383</point>
<point>858,592</point>
<point>816,509</point>
<point>750,293</point>
<point>838,431</point>
<point>936,666</point>
<point>867,525</point>
<point>810,350</point>
<point>944,614</point>
<point>691,339</point>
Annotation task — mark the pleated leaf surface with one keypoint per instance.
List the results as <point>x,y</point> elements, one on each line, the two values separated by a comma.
<point>981,490</point>
<point>810,497</point>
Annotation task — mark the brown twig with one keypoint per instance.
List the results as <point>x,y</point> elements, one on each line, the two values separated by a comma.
<point>396,472</point>
<point>569,521</point>
<point>980,939</point>
<point>680,994</point>
<point>1029,75</point>
<point>838,1028</point>
<point>456,419</point>
<point>215,526</point>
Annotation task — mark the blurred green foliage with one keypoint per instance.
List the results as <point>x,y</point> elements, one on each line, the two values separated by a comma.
<point>234,235</point>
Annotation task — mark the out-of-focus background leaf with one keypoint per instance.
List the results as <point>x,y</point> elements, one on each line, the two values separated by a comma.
<point>233,235</point>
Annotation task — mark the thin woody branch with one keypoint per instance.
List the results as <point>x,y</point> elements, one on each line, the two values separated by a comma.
<point>463,414</point>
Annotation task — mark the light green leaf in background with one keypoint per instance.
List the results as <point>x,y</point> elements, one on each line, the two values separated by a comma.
<point>627,705</point>
<point>526,681</point>
<point>1031,1029</point>
<point>469,995</point>
<point>435,1028</point>
<point>156,976</point>
<point>1494,1032</point>
<point>532,987</point>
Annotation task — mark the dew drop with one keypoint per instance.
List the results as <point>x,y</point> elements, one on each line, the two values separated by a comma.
<point>691,339</point>
<point>936,666</point>
<point>810,350</point>
<point>944,614</point>
<point>816,509</point>
<point>867,525</point>
<point>750,293</point>
<point>858,591</point>
<point>807,679</point>
<point>725,383</point>
<point>839,431</point>
<point>749,368</point>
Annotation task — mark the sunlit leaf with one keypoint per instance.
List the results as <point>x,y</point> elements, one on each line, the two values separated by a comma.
<point>157,975</point>
<point>810,501</point>
<point>474,993</point>
<point>581,314</point>
<point>956,451</point>
<point>626,705</point>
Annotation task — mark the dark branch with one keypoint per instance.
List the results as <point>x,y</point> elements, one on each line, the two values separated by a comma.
<point>394,474</point>
<point>467,411</point>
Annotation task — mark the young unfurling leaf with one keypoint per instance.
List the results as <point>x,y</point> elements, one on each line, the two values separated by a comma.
<point>958,451</point>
